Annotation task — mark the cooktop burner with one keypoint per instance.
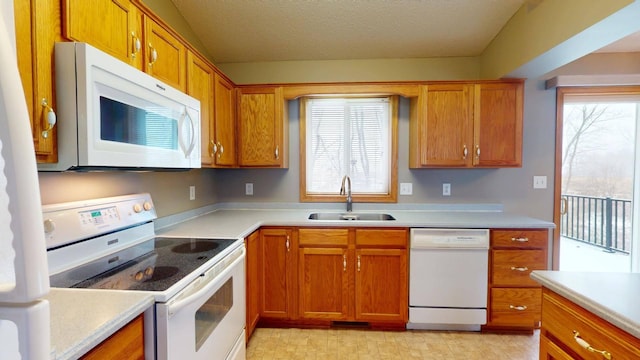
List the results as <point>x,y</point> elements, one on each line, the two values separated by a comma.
<point>170,260</point>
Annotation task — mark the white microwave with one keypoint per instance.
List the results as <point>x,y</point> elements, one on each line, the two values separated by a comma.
<point>112,115</point>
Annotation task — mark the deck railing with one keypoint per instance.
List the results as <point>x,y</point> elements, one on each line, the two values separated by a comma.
<point>599,221</point>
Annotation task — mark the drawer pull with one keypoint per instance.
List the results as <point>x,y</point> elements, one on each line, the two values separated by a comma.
<point>518,307</point>
<point>519,268</point>
<point>585,345</point>
<point>520,239</point>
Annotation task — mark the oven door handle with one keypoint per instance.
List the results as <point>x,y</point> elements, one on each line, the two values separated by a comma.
<point>180,304</point>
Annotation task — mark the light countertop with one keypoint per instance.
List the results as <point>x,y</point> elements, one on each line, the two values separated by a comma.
<point>238,223</point>
<point>81,318</point>
<point>611,296</point>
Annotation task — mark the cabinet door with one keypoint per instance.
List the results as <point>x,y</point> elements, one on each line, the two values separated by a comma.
<point>225,123</point>
<point>112,26</point>
<point>165,55</point>
<point>498,125</point>
<point>381,285</point>
<point>200,85</point>
<point>126,343</point>
<point>324,283</point>
<point>253,281</point>
<point>551,351</point>
<point>261,127</point>
<point>441,130</point>
<point>37,29</point>
<point>278,273</point>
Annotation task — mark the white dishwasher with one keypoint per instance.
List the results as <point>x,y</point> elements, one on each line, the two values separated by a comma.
<point>448,276</point>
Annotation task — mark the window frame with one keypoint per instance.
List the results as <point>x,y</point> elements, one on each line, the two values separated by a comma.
<point>391,196</point>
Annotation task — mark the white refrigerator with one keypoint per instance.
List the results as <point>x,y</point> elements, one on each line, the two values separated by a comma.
<point>24,280</point>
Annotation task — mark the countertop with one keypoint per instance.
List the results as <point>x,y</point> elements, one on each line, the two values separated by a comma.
<point>611,296</point>
<point>238,223</point>
<point>82,318</point>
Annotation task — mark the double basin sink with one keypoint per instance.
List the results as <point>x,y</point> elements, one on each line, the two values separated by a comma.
<point>349,216</point>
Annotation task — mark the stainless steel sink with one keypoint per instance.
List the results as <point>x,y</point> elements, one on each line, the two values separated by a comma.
<point>351,216</point>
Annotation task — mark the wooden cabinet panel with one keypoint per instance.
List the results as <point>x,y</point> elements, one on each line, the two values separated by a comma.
<point>261,127</point>
<point>323,237</point>
<point>498,109</point>
<point>112,26</point>
<point>551,351</point>
<point>200,86</point>
<point>253,282</point>
<point>381,292</point>
<point>512,268</point>
<point>279,269</point>
<point>324,283</point>
<point>441,132</point>
<point>517,306</point>
<point>126,343</point>
<point>37,29</point>
<point>561,319</point>
<point>165,55</point>
<point>520,238</point>
<point>225,123</point>
<point>395,238</point>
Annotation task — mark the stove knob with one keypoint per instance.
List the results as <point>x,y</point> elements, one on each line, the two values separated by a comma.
<point>148,271</point>
<point>49,226</point>
<point>147,206</point>
<point>137,208</point>
<point>139,276</point>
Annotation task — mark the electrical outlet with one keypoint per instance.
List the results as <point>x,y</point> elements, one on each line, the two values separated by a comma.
<point>446,189</point>
<point>192,192</point>
<point>539,182</point>
<point>406,188</point>
<point>248,189</point>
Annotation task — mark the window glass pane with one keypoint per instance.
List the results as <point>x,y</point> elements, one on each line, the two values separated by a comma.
<point>348,137</point>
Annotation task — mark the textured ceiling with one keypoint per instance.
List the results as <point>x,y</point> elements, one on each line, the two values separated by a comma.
<point>280,30</point>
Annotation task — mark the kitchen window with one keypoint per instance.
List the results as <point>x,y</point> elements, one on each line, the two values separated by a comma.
<point>349,136</point>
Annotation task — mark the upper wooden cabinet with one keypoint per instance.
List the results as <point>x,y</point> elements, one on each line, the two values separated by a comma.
<point>37,30</point>
<point>164,55</point>
<point>467,125</point>
<point>262,127</point>
<point>224,129</point>
<point>113,26</point>
<point>201,77</point>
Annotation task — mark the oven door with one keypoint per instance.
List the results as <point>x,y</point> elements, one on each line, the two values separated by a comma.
<point>205,319</point>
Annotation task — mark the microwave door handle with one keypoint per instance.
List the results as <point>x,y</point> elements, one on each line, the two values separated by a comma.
<point>180,304</point>
<point>192,143</point>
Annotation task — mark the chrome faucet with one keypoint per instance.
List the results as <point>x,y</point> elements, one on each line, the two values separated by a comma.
<point>347,192</point>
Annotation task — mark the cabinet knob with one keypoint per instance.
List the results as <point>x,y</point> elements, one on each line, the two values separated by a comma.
<point>519,268</point>
<point>153,55</point>
<point>277,152</point>
<point>213,147</point>
<point>136,45</point>
<point>520,239</point>
<point>585,345</point>
<point>287,244</point>
<point>464,152</point>
<point>478,151</point>
<point>518,307</point>
<point>49,118</point>
<point>344,262</point>
<point>358,262</point>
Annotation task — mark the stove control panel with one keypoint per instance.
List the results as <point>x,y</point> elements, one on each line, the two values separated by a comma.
<point>69,222</point>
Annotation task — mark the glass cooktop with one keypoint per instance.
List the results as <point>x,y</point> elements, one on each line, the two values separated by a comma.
<point>169,261</point>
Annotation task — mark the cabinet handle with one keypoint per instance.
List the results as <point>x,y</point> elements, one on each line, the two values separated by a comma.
<point>221,150</point>
<point>585,345</point>
<point>521,268</point>
<point>464,152</point>
<point>287,244</point>
<point>518,307</point>
<point>213,147</point>
<point>153,55</point>
<point>277,152</point>
<point>358,263</point>
<point>344,262</point>
<point>135,45</point>
<point>48,118</point>
<point>478,151</point>
<point>520,239</point>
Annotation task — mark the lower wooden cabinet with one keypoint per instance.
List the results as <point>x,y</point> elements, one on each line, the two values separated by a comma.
<point>568,329</point>
<point>126,343</point>
<point>278,265</point>
<point>252,243</point>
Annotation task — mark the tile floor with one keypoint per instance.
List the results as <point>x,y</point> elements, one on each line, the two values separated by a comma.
<point>305,344</point>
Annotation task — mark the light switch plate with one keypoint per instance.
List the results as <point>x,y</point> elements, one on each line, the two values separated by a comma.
<point>446,189</point>
<point>192,192</point>
<point>406,188</point>
<point>539,182</point>
<point>248,189</point>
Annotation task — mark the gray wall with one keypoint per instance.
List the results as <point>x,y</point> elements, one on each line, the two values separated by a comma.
<point>510,187</point>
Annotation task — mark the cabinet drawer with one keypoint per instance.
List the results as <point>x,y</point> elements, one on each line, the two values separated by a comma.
<point>512,267</point>
<point>520,238</point>
<point>561,318</point>
<point>392,238</point>
<point>323,237</point>
<point>515,306</point>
